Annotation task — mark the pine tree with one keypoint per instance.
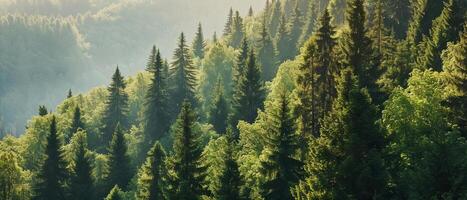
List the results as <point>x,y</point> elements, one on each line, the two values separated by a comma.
<point>70,94</point>
<point>237,31</point>
<point>446,28</point>
<point>248,93</point>
<point>229,23</point>
<point>76,123</point>
<point>281,169</point>
<point>250,12</point>
<point>424,12</point>
<point>116,107</point>
<point>455,68</point>
<point>240,65</point>
<point>119,162</point>
<point>310,22</point>
<point>357,47</point>
<point>43,111</point>
<point>199,44</point>
<point>153,180</point>
<point>115,194</point>
<point>188,174</point>
<point>152,59</point>
<point>346,160</point>
<point>275,18</point>
<point>295,28</point>
<point>156,111</point>
<point>397,14</point>
<point>82,186</point>
<point>230,179</point>
<point>267,55</point>
<point>283,41</point>
<point>182,75</point>
<point>219,109</point>
<point>53,174</point>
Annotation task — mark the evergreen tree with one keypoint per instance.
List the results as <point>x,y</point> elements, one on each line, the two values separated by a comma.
<point>70,94</point>
<point>188,174</point>
<point>295,30</point>
<point>152,59</point>
<point>76,123</point>
<point>199,44</point>
<point>230,178</point>
<point>281,169</point>
<point>240,65</point>
<point>424,12</point>
<point>115,194</point>
<point>250,12</point>
<point>156,112</point>
<point>237,31</point>
<point>248,93</point>
<point>219,109</point>
<point>455,68</point>
<point>267,55</point>
<point>152,183</point>
<point>229,23</point>
<point>275,18</point>
<point>397,14</point>
<point>53,174</point>
<point>43,111</point>
<point>283,41</point>
<point>119,162</point>
<point>310,22</point>
<point>337,9</point>
<point>116,107</point>
<point>446,28</point>
<point>82,186</point>
<point>182,75</point>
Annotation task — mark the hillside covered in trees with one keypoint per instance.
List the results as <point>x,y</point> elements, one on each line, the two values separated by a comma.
<point>304,99</point>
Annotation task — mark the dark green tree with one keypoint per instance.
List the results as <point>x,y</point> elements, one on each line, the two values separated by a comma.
<point>309,23</point>
<point>156,111</point>
<point>82,185</point>
<point>295,28</point>
<point>280,168</point>
<point>397,14</point>
<point>119,162</point>
<point>43,111</point>
<point>155,183</point>
<point>152,59</point>
<point>337,9</point>
<point>219,109</point>
<point>238,32</point>
<point>188,174</point>
<point>230,179</point>
<point>182,76</point>
<point>228,24</point>
<point>267,55</point>
<point>53,174</point>
<point>116,107</point>
<point>199,44</point>
<point>70,94</point>
<point>115,194</point>
<point>76,123</point>
<point>250,12</point>
<point>241,62</point>
<point>275,19</point>
<point>424,12</point>
<point>283,41</point>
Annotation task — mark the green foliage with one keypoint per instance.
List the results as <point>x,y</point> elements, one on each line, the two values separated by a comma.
<point>228,24</point>
<point>43,111</point>
<point>295,27</point>
<point>152,183</point>
<point>115,194</point>
<point>267,55</point>
<point>13,178</point>
<point>238,33</point>
<point>337,9</point>
<point>275,17</point>
<point>77,123</point>
<point>219,110</point>
<point>187,172</point>
<point>283,41</point>
<point>199,44</point>
<point>82,185</point>
<point>424,12</point>
<point>119,163</point>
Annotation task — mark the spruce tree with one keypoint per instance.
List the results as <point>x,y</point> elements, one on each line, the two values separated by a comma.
<point>152,59</point>
<point>250,12</point>
<point>267,55</point>
<point>116,107</point>
<point>115,194</point>
<point>280,168</point>
<point>156,105</point>
<point>43,111</point>
<point>275,19</point>
<point>199,44</point>
<point>310,22</point>
<point>76,123</point>
<point>153,180</point>
<point>248,93</point>
<point>230,178</point>
<point>53,174</point>
<point>424,12</point>
<point>70,94</point>
<point>229,23</point>
<point>446,28</point>
<point>182,76</point>
<point>283,41</point>
<point>188,174</point>
<point>219,109</point>
<point>237,31</point>
<point>241,62</point>
<point>337,9</point>
<point>295,28</point>
<point>119,162</point>
<point>82,185</point>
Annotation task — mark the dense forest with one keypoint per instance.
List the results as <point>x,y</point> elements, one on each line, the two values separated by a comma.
<point>305,99</point>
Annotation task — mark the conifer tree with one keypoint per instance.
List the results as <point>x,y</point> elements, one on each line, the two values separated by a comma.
<point>281,169</point>
<point>152,182</point>
<point>116,107</point>
<point>397,14</point>
<point>230,179</point>
<point>199,44</point>
<point>115,194</point>
<point>156,111</point>
<point>152,59</point>
<point>119,162</point>
<point>76,123</point>
<point>237,31</point>
<point>53,174</point>
<point>43,111</point>
<point>70,94</point>
<point>267,55</point>
<point>424,12</point>
<point>250,12</point>
<point>248,93</point>
<point>82,186</point>
<point>219,109</point>
<point>188,174</point>
<point>337,9</point>
<point>346,160</point>
<point>446,28</point>
<point>240,65</point>
<point>275,19</point>
<point>455,68</point>
<point>182,75</point>
<point>309,23</point>
<point>229,23</point>
<point>283,41</point>
<point>295,30</point>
